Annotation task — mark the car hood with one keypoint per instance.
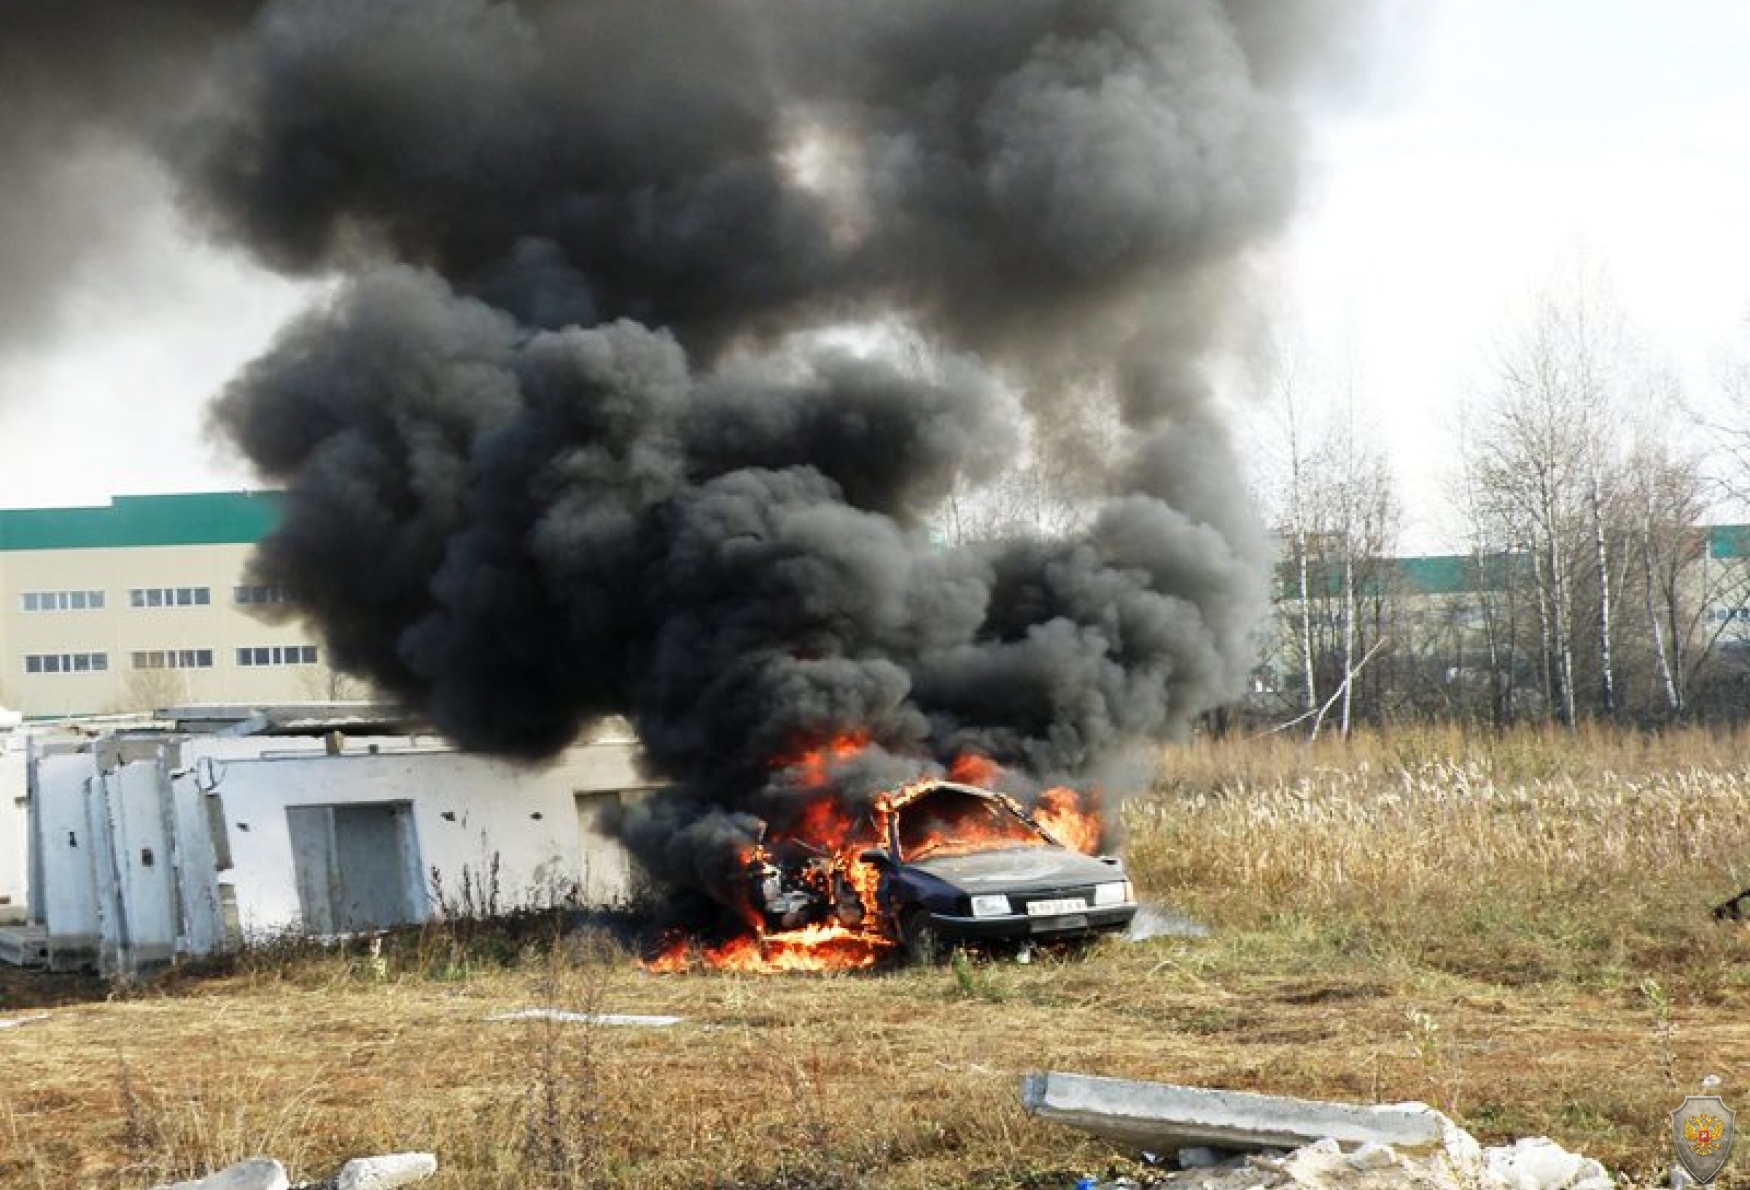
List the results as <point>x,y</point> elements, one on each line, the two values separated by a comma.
<point>1019,869</point>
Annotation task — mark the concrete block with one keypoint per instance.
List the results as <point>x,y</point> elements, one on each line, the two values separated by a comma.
<point>1159,1116</point>
<point>1372,1156</point>
<point>1538,1163</point>
<point>386,1172</point>
<point>630,1020</point>
<point>24,945</point>
<point>257,1173</point>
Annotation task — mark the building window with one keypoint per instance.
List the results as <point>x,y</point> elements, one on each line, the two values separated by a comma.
<point>174,659</point>
<point>170,596</point>
<point>277,655</point>
<point>66,663</point>
<point>62,601</point>
<point>258,593</point>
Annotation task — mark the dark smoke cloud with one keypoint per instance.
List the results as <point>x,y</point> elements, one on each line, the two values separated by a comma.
<point>568,445</point>
<point>83,86</point>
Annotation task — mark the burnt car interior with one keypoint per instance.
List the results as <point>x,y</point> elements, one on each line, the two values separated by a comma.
<point>950,822</point>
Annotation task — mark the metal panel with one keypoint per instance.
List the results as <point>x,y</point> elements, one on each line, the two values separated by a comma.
<point>372,844</point>
<point>312,831</point>
<point>66,903</point>
<point>144,857</point>
<point>202,927</point>
<point>99,834</point>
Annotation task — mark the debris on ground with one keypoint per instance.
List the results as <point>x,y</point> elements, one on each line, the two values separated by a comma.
<point>386,1172</point>
<point>1230,1140</point>
<point>588,1018</point>
<point>257,1173</point>
<point>23,1020</point>
<point>1538,1163</point>
<point>1532,1164</point>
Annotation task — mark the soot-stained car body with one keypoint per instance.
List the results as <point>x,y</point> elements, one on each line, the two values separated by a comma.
<point>963,864</point>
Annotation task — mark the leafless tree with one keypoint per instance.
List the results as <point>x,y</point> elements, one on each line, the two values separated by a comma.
<point>1548,440</point>
<point>1690,596</point>
<point>1356,524</point>
<point>1332,502</point>
<point>1293,512</point>
<point>1495,591</point>
<point>1728,421</point>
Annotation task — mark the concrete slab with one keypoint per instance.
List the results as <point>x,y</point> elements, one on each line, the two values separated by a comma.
<point>588,1018</point>
<point>257,1173</point>
<point>388,1172</point>
<point>24,946</point>
<point>1160,1117</point>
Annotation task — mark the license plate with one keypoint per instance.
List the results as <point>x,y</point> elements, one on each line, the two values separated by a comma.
<point>1059,906</point>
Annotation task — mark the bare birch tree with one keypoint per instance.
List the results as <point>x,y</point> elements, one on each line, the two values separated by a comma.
<point>1689,596</point>
<point>1548,440</point>
<point>1334,507</point>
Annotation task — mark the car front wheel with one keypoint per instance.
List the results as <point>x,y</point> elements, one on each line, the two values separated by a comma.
<point>919,939</point>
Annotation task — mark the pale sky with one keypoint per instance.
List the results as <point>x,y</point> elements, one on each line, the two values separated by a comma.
<point>1497,139</point>
<point>1503,139</point>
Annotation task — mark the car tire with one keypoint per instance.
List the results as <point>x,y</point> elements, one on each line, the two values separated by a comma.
<point>922,944</point>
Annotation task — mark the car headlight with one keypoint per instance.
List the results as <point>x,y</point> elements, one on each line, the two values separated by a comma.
<point>991,905</point>
<point>1115,893</point>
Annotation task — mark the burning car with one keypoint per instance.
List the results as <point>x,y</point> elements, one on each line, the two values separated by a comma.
<point>954,863</point>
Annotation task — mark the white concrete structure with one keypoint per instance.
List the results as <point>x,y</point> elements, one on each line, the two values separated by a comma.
<point>14,854</point>
<point>153,845</point>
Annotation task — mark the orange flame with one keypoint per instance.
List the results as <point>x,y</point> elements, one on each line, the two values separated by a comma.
<point>812,948</point>
<point>823,823</point>
<point>1060,811</point>
<point>969,768</point>
<point>813,764</point>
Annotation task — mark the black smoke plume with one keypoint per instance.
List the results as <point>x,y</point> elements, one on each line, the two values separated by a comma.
<point>573,439</point>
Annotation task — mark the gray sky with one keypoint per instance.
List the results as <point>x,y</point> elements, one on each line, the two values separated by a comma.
<point>1498,139</point>
<point>112,399</point>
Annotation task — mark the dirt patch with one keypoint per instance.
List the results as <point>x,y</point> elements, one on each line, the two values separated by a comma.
<point>20,989</point>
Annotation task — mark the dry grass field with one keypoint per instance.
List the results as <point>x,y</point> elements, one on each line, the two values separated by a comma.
<point>1515,930</point>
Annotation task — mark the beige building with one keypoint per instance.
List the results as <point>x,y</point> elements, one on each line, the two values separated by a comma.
<point>144,603</point>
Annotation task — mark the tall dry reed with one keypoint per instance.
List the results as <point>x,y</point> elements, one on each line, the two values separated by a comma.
<point>1601,843</point>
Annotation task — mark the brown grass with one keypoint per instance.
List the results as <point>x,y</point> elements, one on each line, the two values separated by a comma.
<point>1515,932</point>
<point>1532,856</point>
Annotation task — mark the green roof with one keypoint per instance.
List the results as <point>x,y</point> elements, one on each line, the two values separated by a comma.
<point>1457,574</point>
<point>1433,574</point>
<point>1728,541</point>
<point>1444,574</point>
<point>199,518</point>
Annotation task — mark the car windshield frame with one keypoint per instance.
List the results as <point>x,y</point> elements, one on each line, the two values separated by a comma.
<point>1016,833</point>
